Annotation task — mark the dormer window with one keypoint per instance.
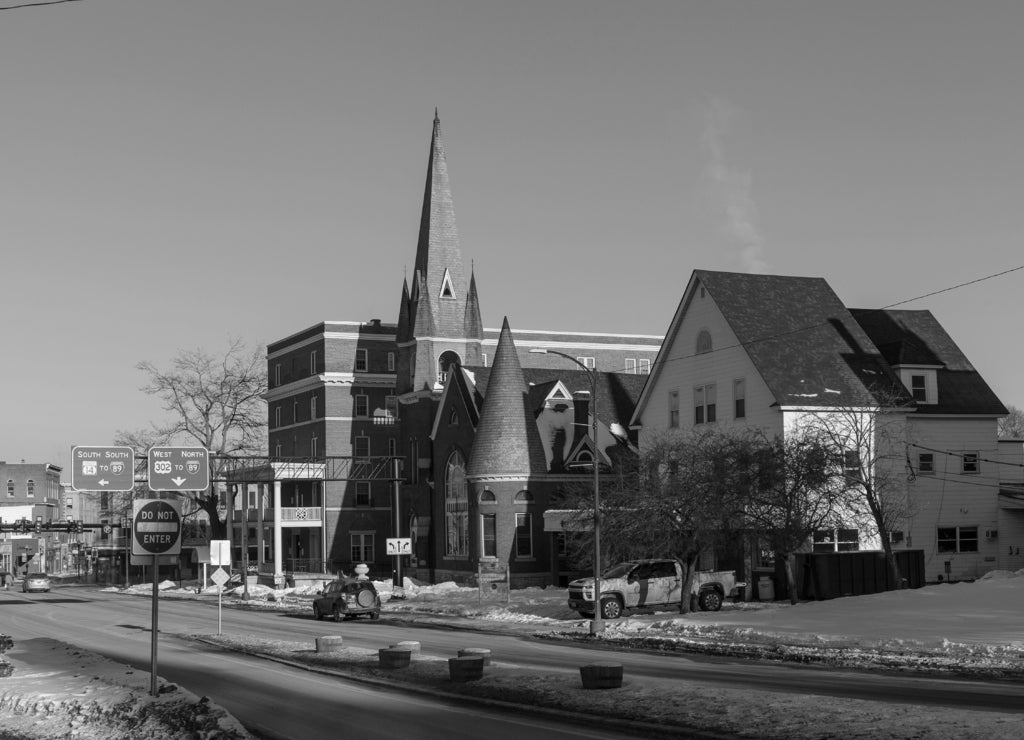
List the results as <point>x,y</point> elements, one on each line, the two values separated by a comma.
<point>922,384</point>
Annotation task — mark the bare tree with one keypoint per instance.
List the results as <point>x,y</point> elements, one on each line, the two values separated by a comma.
<point>1012,426</point>
<point>800,490</point>
<point>870,443</point>
<point>214,401</point>
<point>688,497</point>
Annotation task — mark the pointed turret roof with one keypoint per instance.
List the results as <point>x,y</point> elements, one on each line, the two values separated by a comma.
<point>402,333</point>
<point>440,288</point>
<point>474,325</point>
<point>507,440</point>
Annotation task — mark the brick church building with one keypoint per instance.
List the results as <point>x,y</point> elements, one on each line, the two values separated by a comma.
<point>490,424</point>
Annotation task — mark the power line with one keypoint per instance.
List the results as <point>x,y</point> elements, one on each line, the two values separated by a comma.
<point>33,5</point>
<point>816,325</point>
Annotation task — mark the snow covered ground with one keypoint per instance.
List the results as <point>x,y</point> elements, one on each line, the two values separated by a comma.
<point>974,626</point>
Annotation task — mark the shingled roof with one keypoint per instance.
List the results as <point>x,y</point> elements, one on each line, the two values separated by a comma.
<point>917,338</point>
<point>507,440</point>
<point>805,344</point>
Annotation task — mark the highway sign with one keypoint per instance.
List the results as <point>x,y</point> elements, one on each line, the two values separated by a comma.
<point>179,468</point>
<point>157,527</point>
<point>102,468</point>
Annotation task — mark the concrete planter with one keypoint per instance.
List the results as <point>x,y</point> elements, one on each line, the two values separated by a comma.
<point>329,644</point>
<point>601,676</point>
<point>394,657</point>
<point>484,653</point>
<point>466,668</point>
<point>412,645</point>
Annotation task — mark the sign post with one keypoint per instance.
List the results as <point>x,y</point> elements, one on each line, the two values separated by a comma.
<point>220,555</point>
<point>156,532</point>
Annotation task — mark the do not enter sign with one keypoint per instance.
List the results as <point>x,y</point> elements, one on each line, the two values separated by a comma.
<point>157,527</point>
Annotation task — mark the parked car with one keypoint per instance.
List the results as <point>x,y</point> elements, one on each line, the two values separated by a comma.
<point>347,599</point>
<point>36,582</point>
<point>654,582</point>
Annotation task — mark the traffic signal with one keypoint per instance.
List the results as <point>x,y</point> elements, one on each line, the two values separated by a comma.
<point>78,526</point>
<point>39,525</point>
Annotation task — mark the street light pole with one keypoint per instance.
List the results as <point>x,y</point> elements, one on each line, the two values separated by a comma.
<point>597,623</point>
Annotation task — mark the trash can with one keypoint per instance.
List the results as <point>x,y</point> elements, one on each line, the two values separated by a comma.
<point>766,589</point>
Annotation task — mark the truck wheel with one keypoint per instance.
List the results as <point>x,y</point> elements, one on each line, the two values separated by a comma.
<point>710,600</point>
<point>611,608</point>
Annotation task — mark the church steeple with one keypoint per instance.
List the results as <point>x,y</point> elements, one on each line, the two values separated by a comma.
<point>439,271</point>
<point>443,319</point>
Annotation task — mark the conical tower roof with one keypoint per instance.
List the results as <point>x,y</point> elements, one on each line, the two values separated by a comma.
<point>474,327</point>
<point>507,440</point>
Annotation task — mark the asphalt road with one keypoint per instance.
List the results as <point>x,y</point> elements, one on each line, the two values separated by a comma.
<point>277,701</point>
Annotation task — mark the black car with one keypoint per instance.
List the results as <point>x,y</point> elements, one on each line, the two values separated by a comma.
<point>347,599</point>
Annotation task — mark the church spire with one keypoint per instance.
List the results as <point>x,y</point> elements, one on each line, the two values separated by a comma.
<point>439,269</point>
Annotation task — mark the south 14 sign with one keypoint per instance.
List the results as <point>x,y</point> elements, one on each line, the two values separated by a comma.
<point>157,527</point>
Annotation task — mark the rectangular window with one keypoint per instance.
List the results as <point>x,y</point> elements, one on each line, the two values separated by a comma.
<point>673,409</point>
<point>10,487</point>
<point>277,373</point>
<point>489,533</point>
<point>361,447</point>
<point>312,407</point>
<point>851,465</point>
<point>362,493</point>
<point>483,357</point>
<point>277,415</point>
<point>587,362</point>
<point>295,411</point>
<point>362,547</point>
<point>919,388</point>
<point>30,488</point>
<point>925,463</point>
<point>277,450</point>
<point>312,362</point>
<point>391,362</point>
<point>644,367</point>
<point>957,539</point>
<point>739,398</point>
<point>836,540</point>
<point>971,463</point>
<point>524,535</point>
<point>391,407</point>
<point>313,447</point>
<point>362,407</point>
<point>362,361</point>
<point>392,447</point>
<point>704,404</point>
<point>631,366</point>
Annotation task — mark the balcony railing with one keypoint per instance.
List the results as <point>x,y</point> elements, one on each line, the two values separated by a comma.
<point>300,514</point>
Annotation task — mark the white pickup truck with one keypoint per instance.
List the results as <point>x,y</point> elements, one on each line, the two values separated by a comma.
<point>636,584</point>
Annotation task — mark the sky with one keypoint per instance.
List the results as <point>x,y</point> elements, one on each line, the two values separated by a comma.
<point>175,174</point>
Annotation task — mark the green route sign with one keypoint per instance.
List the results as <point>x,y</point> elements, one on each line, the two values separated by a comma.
<point>102,468</point>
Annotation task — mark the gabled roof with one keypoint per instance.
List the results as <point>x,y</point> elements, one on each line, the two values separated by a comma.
<point>916,338</point>
<point>810,350</point>
<point>617,393</point>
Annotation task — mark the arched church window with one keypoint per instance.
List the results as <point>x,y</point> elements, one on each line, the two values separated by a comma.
<point>487,497</point>
<point>446,363</point>
<point>524,497</point>
<point>456,506</point>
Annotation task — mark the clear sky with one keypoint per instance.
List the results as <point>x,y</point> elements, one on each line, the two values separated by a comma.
<point>175,173</point>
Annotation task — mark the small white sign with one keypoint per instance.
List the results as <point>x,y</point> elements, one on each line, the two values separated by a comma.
<point>220,552</point>
<point>399,545</point>
<point>220,577</point>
